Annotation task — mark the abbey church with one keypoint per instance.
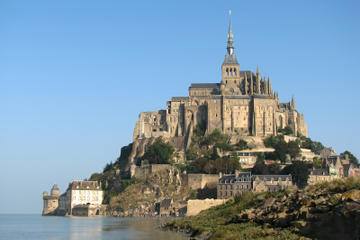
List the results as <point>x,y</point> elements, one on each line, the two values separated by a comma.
<point>242,104</point>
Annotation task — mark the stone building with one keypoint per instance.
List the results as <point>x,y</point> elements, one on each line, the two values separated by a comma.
<point>243,103</point>
<point>80,193</point>
<point>51,202</point>
<point>238,183</point>
<point>233,185</point>
<point>85,197</point>
<point>271,183</point>
<point>320,175</point>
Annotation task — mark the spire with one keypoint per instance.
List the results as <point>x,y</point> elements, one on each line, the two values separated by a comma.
<point>265,86</point>
<point>251,84</point>
<point>230,58</point>
<point>269,85</point>
<point>293,106</point>
<point>246,84</point>
<point>258,87</point>
<point>230,43</point>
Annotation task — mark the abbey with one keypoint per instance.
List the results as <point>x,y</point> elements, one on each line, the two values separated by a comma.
<point>243,103</point>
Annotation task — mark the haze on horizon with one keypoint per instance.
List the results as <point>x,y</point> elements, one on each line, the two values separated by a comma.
<point>74,76</point>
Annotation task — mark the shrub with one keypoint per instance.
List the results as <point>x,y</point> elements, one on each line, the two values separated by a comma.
<point>159,152</point>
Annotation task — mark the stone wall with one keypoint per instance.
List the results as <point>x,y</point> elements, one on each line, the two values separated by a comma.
<point>142,171</point>
<point>196,206</point>
<point>89,210</point>
<point>199,181</point>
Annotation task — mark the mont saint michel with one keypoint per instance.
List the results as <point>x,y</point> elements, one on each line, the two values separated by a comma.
<point>179,120</point>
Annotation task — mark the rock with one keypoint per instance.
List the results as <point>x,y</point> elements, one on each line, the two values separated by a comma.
<point>335,199</point>
<point>353,195</point>
<point>320,200</point>
<point>269,202</point>
<point>299,224</point>
<point>353,207</point>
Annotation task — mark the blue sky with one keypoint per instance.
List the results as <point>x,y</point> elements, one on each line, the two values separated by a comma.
<point>74,75</point>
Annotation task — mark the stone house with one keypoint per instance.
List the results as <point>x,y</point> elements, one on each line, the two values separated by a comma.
<point>233,185</point>
<point>320,175</point>
<point>271,183</point>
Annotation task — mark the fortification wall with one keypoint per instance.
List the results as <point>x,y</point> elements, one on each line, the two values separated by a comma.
<point>199,181</point>
<point>196,206</point>
<point>142,171</point>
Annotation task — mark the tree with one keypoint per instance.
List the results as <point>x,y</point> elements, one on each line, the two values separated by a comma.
<point>352,158</point>
<point>242,145</point>
<point>271,141</point>
<point>317,164</point>
<point>259,157</point>
<point>286,130</point>
<point>293,149</point>
<point>299,172</point>
<point>159,152</point>
<point>314,146</point>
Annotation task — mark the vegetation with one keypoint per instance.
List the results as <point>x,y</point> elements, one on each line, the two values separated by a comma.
<point>314,146</point>
<point>159,152</point>
<point>317,164</point>
<point>286,130</point>
<point>352,158</point>
<point>203,154</point>
<point>261,168</point>
<point>299,171</point>
<point>241,145</point>
<point>282,148</point>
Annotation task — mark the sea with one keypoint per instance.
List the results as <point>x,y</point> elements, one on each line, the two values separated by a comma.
<point>33,226</point>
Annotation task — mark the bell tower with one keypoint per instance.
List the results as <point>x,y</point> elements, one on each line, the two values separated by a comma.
<point>231,79</point>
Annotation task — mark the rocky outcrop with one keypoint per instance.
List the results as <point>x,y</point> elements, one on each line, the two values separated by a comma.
<point>139,198</point>
<point>319,214</point>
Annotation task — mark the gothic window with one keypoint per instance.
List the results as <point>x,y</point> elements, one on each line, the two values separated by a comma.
<point>235,71</point>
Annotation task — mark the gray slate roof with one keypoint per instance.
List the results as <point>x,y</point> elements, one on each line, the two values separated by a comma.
<point>230,59</point>
<point>275,177</point>
<point>320,172</point>
<point>205,85</point>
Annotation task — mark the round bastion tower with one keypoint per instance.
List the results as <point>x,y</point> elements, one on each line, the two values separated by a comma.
<point>51,202</point>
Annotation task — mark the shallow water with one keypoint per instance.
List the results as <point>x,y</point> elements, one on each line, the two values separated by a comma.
<point>75,228</point>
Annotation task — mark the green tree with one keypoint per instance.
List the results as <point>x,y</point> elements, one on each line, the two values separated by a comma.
<point>241,145</point>
<point>286,130</point>
<point>299,172</point>
<point>352,158</point>
<point>271,141</point>
<point>317,163</point>
<point>293,149</point>
<point>159,152</point>
<point>260,157</point>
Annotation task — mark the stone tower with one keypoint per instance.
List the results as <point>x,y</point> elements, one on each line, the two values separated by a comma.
<point>231,79</point>
<point>51,202</point>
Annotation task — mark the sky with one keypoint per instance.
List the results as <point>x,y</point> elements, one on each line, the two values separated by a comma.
<point>74,75</point>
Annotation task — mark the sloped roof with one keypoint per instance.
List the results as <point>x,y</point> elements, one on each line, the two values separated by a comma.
<point>275,177</point>
<point>230,59</point>
<point>205,85</point>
